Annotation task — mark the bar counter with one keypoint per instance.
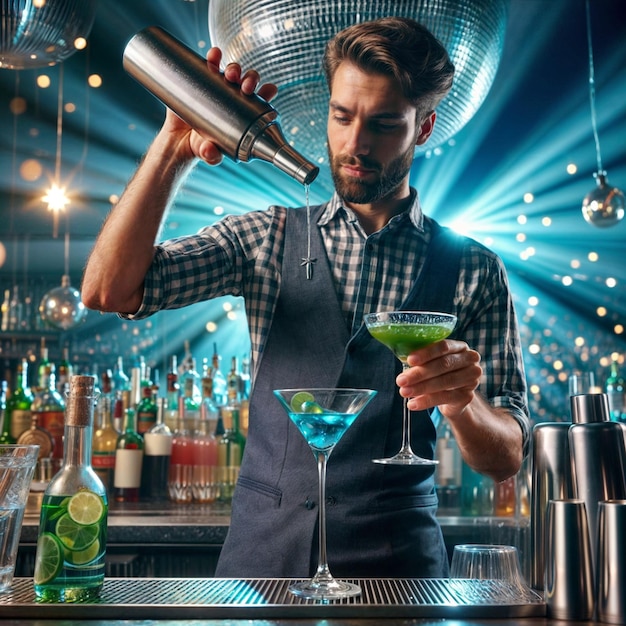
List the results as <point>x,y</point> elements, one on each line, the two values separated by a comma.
<point>204,526</point>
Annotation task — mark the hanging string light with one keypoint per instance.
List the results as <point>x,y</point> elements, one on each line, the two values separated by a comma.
<point>604,205</point>
<point>55,197</point>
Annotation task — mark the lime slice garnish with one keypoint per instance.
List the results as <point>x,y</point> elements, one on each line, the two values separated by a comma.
<point>299,398</point>
<point>49,560</point>
<point>74,536</point>
<point>311,407</point>
<point>80,557</point>
<point>86,508</point>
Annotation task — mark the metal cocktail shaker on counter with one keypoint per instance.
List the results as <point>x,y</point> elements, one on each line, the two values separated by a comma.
<point>244,127</point>
<point>598,457</point>
<point>551,480</point>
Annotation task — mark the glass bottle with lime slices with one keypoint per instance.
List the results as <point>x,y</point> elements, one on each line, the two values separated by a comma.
<point>69,565</point>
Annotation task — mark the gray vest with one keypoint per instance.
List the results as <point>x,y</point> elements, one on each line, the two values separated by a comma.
<point>380,518</point>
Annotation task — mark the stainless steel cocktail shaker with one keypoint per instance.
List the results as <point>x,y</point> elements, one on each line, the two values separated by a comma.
<point>244,127</point>
<point>598,459</point>
<point>551,480</point>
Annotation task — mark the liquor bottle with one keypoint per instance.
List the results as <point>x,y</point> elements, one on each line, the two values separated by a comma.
<point>104,443</point>
<point>71,545</point>
<point>121,382</point>
<point>4,323</point>
<point>156,457</point>
<point>5,435</point>
<point>49,407</point>
<point>44,361</point>
<point>448,472</point>
<point>230,447</point>
<point>18,414</point>
<point>616,391</point>
<point>220,388</point>
<point>147,410</point>
<point>245,382</point>
<point>16,310</point>
<point>172,394</point>
<point>189,405</point>
<point>505,497</point>
<point>64,372</point>
<point>477,493</point>
<point>190,374</point>
<point>205,485</point>
<point>180,478</point>
<point>128,461</point>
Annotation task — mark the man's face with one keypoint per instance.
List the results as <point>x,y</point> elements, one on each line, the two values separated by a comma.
<point>372,133</point>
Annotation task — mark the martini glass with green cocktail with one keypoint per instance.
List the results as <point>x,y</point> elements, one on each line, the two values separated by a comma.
<point>404,332</point>
<point>322,416</point>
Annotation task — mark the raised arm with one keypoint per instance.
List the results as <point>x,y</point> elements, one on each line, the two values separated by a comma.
<point>114,275</point>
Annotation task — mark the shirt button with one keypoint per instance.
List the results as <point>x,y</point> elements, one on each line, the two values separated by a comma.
<point>331,501</point>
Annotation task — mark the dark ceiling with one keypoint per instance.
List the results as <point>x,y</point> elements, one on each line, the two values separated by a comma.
<point>534,123</point>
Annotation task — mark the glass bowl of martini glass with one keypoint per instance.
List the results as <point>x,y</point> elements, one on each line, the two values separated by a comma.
<point>404,332</point>
<point>322,416</point>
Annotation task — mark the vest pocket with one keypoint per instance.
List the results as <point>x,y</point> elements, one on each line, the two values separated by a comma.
<point>271,495</point>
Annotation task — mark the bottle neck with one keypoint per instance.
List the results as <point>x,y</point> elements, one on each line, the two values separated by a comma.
<point>77,446</point>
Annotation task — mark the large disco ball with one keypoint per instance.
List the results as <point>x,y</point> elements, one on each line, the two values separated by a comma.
<point>62,307</point>
<point>284,41</point>
<point>38,33</point>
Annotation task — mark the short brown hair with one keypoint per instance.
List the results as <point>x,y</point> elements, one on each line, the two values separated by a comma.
<point>398,47</point>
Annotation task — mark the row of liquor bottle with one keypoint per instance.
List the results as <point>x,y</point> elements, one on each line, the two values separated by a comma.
<point>187,445</point>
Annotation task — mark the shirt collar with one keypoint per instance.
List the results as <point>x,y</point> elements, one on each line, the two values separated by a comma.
<point>335,206</point>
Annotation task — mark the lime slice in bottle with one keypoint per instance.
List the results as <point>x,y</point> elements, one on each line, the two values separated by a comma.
<point>81,557</point>
<point>74,536</point>
<point>299,398</point>
<point>86,508</point>
<point>49,561</point>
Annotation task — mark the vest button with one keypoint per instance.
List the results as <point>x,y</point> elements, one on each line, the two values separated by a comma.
<point>331,501</point>
<point>309,504</point>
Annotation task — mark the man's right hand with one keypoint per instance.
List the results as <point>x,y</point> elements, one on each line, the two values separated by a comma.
<point>199,146</point>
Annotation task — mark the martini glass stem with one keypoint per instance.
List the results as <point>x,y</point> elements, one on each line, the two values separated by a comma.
<point>323,574</point>
<point>406,449</point>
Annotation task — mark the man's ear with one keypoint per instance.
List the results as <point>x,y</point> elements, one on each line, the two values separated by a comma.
<point>426,128</point>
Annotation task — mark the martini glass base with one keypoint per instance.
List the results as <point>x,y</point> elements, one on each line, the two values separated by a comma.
<point>325,589</point>
<point>405,458</point>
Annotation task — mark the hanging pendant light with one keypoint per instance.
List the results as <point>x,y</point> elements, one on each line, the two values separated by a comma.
<point>604,205</point>
<point>285,42</point>
<point>38,33</point>
<point>62,307</point>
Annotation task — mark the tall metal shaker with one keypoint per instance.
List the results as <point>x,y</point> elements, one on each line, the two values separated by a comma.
<point>551,480</point>
<point>569,579</point>
<point>598,458</point>
<point>244,127</point>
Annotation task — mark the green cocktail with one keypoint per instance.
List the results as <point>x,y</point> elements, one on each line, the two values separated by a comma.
<point>402,339</point>
<point>404,332</point>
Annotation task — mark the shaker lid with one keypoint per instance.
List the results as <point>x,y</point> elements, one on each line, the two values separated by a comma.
<point>589,407</point>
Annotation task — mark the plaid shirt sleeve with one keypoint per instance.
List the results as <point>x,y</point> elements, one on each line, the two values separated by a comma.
<point>489,325</point>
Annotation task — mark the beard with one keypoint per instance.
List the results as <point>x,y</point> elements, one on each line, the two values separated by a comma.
<point>390,177</point>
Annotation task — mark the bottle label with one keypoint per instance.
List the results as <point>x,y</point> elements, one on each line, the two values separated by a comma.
<point>103,460</point>
<point>157,445</point>
<point>145,421</point>
<point>128,469</point>
<point>20,422</point>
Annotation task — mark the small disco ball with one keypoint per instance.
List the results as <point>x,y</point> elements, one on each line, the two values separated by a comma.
<point>285,41</point>
<point>62,307</point>
<point>604,206</point>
